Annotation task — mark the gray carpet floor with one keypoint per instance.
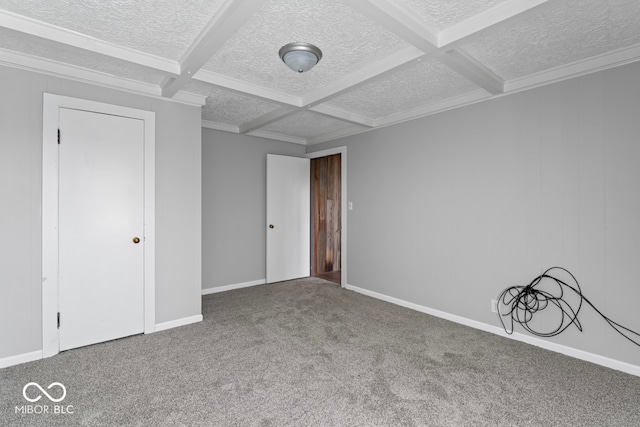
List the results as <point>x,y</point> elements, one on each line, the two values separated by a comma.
<point>308,353</point>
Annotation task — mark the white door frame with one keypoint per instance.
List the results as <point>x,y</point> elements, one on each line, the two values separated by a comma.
<point>343,208</point>
<point>50,184</point>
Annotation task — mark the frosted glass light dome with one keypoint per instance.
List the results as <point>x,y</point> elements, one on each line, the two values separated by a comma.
<point>300,57</point>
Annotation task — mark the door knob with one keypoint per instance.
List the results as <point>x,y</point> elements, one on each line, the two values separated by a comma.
<point>271,226</point>
<point>136,240</point>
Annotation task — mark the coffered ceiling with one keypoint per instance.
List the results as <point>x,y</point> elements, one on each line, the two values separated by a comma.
<point>384,61</point>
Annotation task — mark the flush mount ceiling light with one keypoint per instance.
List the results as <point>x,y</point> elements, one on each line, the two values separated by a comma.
<point>300,57</point>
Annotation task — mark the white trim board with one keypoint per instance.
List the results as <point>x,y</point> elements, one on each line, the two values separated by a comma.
<point>20,358</point>
<point>558,348</point>
<point>224,288</point>
<point>178,322</point>
<point>50,173</point>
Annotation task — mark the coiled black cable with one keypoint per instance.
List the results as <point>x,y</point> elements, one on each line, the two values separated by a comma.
<point>523,302</point>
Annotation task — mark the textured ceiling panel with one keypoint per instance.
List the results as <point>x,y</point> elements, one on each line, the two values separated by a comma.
<point>421,83</point>
<point>162,27</point>
<point>347,39</point>
<point>557,34</point>
<point>443,14</point>
<point>501,45</point>
<point>306,124</point>
<point>19,42</point>
<point>228,107</point>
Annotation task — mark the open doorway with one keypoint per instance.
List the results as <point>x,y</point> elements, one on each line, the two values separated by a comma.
<point>326,217</point>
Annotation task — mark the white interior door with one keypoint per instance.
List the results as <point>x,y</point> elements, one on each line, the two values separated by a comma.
<point>101,214</point>
<point>288,218</point>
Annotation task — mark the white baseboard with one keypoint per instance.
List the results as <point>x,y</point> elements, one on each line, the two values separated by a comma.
<point>20,358</point>
<point>178,322</point>
<point>225,288</point>
<point>558,348</point>
<point>37,355</point>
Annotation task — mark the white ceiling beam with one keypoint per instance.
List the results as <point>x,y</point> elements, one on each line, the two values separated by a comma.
<point>279,137</point>
<point>465,65</point>
<point>340,133</point>
<point>245,88</point>
<point>229,18</point>
<point>375,70</point>
<point>340,114</point>
<point>447,104</point>
<point>265,119</point>
<point>220,126</point>
<point>208,124</point>
<point>500,13</point>
<point>190,98</point>
<point>400,22</point>
<point>57,34</point>
<point>314,100</point>
<point>254,125</point>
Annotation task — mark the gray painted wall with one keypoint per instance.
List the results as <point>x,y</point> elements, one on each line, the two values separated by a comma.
<point>178,203</point>
<point>451,209</point>
<point>234,170</point>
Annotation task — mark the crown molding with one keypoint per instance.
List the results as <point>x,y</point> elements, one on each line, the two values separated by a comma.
<point>60,35</point>
<point>579,68</point>
<point>72,72</point>
<point>393,119</point>
<point>434,108</point>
